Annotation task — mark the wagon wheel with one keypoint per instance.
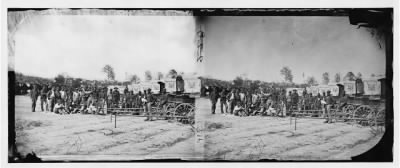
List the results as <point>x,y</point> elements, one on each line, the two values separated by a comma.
<point>377,122</point>
<point>169,109</point>
<point>182,110</point>
<point>348,111</point>
<point>363,113</point>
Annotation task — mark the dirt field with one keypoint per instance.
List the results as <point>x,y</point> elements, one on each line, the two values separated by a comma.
<point>252,138</point>
<point>217,136</point>
<point>54,136</point>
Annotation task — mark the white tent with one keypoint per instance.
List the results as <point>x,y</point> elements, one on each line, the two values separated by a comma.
<point>349,87</point>
<point>372,87</point>
<point>192,84</point>
<point>142,86</point>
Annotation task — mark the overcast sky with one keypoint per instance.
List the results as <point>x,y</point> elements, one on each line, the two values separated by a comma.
<point>81,45</point>
<point>256,46</point>
<point>261,46</point>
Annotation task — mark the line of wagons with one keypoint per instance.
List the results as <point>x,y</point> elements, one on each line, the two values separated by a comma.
<point>364,102</point>
<point>181,92</point>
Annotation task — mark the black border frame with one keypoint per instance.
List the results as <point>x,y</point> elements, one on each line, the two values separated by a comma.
<point>382,152</point>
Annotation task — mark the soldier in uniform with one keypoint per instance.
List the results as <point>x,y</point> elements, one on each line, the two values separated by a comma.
<point>50,98</point>
<point>115,97</point>
<point>248,101</point>
<point>329,105</point>
<point>57,95</point>
<point>295,100</point>
<point>102,99</point>
<point>236,99</point>
<point>34,95</point>
<point>282,103</point>
<point>109,99</point>
<point>150,100</point>
<point>214,99</point>
<point>43,98</point>
<point>289,102</point>
<point>126,90</point>
<point>69,100</point>
<point>144,101</point>
<point>222,101</point>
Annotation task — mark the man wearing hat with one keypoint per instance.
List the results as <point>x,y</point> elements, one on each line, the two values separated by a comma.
<point>329,105</point>
<point>109,98</point>
<point>222,101</point>
<point>43,98</point>
<point>214,99</point>
<point>34,95</point>
<point>150,100</point>
<point>115,97</point>
<point>295,100</point>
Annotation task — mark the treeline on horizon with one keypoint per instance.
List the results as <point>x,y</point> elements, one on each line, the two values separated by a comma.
<point>65,79</point>
<point>239,82</point>
<point>242,82</point>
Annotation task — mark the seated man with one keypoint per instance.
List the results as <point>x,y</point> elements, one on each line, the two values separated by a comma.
<point>238,110</point>
<point>92,108</point>
<point>59,108</point>
<point>268,105</point>
<point>272,110</point>
<point>74,108</point>
<point>264,107</point>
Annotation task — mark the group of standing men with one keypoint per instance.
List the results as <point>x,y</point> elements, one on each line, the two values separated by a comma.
<point>63,99</point>
<point>89,99</point>
<point>269,101</point>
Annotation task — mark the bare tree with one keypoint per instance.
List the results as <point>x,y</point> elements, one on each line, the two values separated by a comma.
<point>134,79</point>
<point>325,78</point>
<point>311,81</point>
<point>337,77</point>
<point>172,73</point>
<point>109,71</point>
<point>287,74</point>
<point>148,75</point>
<point>238,81</point>
<point>60,79</point>
<point>349,77</point>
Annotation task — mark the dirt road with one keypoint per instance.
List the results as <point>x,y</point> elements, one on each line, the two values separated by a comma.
<point>252,138</point>
<point>54,136</point>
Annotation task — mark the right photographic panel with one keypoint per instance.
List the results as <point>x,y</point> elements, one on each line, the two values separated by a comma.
<point>295,84</point>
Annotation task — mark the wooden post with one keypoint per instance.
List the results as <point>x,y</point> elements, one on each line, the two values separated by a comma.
<point>115,120</point>
<point>295,121</point>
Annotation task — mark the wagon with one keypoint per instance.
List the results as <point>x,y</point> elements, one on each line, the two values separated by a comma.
<point>179,107</point>
<point>181,99</point>
<point>181,93</point>
<point>364,105</point>
<point>363,111</point>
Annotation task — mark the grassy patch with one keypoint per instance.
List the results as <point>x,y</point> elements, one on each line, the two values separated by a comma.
<point>26,124</point>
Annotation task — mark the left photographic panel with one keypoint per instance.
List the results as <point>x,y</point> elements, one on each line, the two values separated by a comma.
<point>101,85</point>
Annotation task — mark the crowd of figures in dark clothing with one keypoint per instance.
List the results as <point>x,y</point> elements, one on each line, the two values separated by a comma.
<point>89,99</point>
<point>22,88</point>
<point>268,101</point>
